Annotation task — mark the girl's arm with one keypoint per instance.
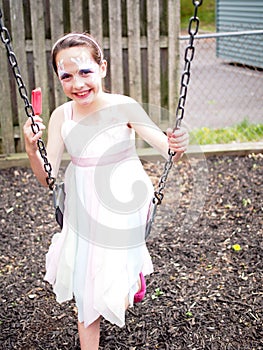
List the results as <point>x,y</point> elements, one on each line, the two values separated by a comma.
<point>177,141</point>
<point>55,145</point>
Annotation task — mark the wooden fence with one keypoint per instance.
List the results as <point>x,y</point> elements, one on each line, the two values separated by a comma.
<point>140,39</point>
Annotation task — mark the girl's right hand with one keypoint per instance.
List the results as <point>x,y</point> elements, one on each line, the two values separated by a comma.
<point>31,138</point>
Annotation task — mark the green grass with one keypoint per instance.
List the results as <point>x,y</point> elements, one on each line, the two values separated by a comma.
<point>206,14</point>
<point>242,132</point>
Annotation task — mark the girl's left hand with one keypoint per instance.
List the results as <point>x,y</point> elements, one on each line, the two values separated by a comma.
<point>177,141</point>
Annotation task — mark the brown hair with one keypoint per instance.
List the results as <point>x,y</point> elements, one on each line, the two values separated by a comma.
<point>73,40</point>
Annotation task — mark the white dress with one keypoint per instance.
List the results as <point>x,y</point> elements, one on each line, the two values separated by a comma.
<point>98,255</point>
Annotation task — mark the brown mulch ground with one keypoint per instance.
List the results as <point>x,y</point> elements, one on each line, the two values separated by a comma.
<point>203,294</point>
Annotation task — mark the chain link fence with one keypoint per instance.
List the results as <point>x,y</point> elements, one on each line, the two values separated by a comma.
<point>223,92</point>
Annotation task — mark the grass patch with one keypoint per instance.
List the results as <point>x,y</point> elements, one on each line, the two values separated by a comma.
<point>206,14</point>
<point>242,132</point>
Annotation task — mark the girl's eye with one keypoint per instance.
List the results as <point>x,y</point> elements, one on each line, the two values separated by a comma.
<point>85,72</point>
<point>64,76</point>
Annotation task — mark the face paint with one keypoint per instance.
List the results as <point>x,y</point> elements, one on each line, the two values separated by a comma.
<point>61,69</point>
<point>75,67</point>
<point>83,62</point>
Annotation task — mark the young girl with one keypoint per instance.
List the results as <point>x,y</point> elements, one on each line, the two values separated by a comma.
<point>100,256</point>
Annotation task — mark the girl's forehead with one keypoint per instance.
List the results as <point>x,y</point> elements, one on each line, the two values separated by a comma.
<point>73,55</point>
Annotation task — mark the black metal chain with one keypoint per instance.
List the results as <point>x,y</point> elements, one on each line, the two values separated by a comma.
<point>6,40</point>
<point>185,79</point>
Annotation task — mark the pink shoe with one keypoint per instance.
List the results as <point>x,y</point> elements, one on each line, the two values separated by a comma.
<point>140,294</point>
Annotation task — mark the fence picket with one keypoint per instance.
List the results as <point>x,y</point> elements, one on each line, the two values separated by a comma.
<point>76,16</point>
<point>173,58</point>
<point>57,30</point>
<point>134,49</point>
<point>6,120</point>
<point>95,20</point>
<point>116,57</point>
<point>17,24</point>
<point>40,60</point>
<point>153,49</point>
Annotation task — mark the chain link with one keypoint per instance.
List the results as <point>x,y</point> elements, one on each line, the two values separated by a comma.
<point>185,79</point>
<point>6,40</point>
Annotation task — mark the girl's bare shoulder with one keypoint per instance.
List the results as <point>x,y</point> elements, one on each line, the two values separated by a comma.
<point>120,99</point>
<point>57,116</point>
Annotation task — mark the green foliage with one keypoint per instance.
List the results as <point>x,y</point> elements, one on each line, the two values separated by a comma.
<point>242,132</point>
<point>157,293</point>
<point>246,202</point>
<point>189,314</point>
<point>206,14</point>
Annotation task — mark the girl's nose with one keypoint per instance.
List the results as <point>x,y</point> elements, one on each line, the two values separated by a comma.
<point>78,81</point>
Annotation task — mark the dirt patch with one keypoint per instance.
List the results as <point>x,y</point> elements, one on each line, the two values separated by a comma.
<point>206,291</point>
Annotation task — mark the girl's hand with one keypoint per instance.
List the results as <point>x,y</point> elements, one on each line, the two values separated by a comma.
<point>31,138</point>
<point>177,141</point>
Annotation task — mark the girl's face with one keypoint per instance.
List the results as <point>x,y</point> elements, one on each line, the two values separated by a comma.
<point>79,74</point>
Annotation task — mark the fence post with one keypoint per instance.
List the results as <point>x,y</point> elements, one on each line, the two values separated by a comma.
<point>153,49</point>
<point>95,20</point>
<point>18,43</point>
<point>39,54</point>
<point>173,57</point>
<point>134,49</point>
<point>6,119</point>
<point>116,69</point>
<point>57,31</point>
<point>76,16</point>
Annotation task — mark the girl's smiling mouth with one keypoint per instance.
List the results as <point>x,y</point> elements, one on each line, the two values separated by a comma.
<point>82,94</point>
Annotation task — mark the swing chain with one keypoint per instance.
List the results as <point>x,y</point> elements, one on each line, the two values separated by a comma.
<point>188,58</point>
<point>185,78</point>
<point>6,40</point>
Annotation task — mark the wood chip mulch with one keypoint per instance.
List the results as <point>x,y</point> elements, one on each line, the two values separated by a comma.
<point>207,249</point>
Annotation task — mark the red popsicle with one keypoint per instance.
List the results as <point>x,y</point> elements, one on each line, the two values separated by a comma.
<point>36,100</point>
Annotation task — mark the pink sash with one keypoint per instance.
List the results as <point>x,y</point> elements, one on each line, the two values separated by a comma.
<point>104,159</point>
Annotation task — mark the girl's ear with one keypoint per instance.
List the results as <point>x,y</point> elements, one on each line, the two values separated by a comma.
<point>103,69</point>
